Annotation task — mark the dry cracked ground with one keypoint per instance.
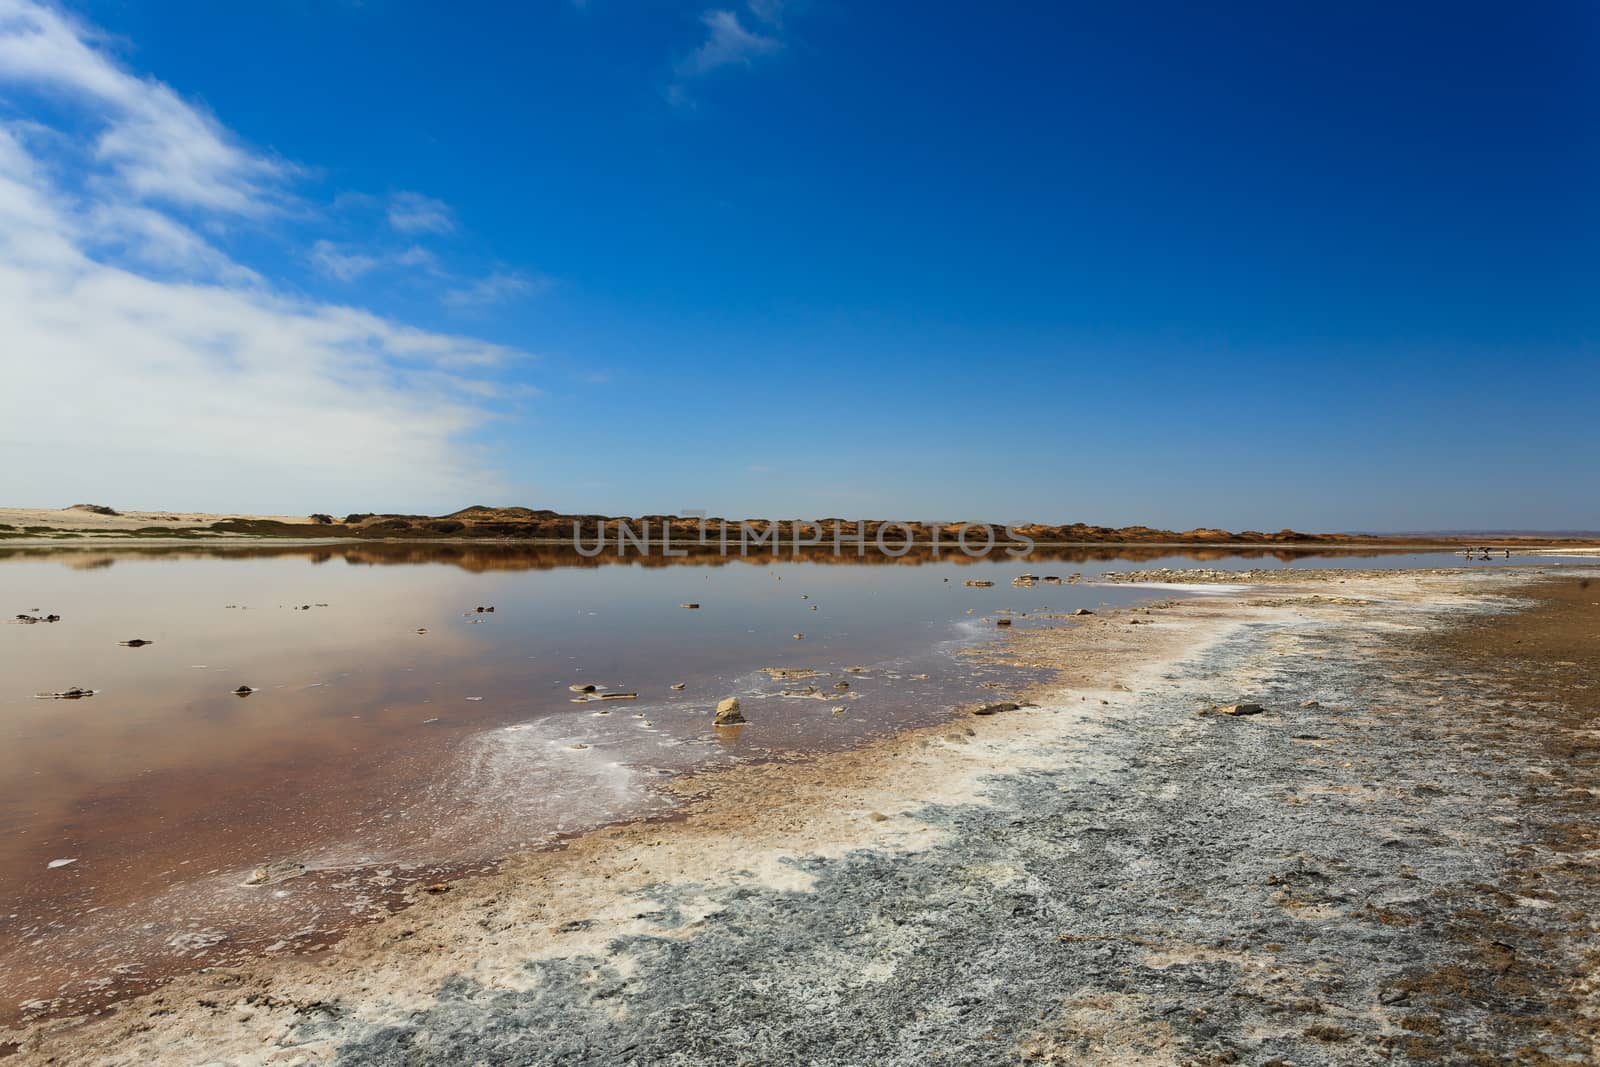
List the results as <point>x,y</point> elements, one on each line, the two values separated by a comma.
<point>1393,862</point>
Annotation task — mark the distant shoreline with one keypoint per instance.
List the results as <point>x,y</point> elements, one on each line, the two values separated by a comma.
<point>70,540</point>
<point>100,526</point>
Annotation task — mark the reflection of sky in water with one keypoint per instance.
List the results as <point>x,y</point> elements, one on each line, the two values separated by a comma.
<point>367,743</point>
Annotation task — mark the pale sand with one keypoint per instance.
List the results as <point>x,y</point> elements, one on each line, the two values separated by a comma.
<point>750,826</point>
<point>83,521</point>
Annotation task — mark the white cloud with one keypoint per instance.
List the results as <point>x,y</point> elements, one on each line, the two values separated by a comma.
<point>415,213</point>
<point>144,366</point>
<point>727,42</point>
<point>153,143</point>
<point>160,243</point>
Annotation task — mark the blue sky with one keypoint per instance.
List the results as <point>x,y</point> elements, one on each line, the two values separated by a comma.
<point>1268,265</point>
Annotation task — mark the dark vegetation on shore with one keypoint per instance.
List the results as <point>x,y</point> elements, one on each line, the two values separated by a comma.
<point>545,525</point>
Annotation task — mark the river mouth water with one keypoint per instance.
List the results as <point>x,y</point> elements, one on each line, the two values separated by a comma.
<point>395,735</point>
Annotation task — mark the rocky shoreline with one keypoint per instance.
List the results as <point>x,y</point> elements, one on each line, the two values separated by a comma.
<point>1388,862</point>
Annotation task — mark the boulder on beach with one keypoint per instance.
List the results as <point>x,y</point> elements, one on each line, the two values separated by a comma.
<point>728,712</point>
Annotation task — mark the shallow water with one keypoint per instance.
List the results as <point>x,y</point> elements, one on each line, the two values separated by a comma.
<point>394,733</point>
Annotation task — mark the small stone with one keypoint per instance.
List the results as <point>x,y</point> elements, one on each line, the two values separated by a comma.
<point>436,888</point>
<point>1002,622</point>
<point>1240,709</point>
<point>243,691</point>
<point>691,607</point>
<point>995,709</point>
<point>619,696</point>
<point>1083,611</point>
<point>137,642</point>
<point>581,688</point>
<point>273,873</point>
<point>729,713</point>
<point>799,637</point>
<point>1310,704</point>
<point>75,693</point>
<point>679,685</point>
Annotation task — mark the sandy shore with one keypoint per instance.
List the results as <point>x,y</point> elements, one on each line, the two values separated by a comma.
<point>1365,870</point>
<point>80,519</point>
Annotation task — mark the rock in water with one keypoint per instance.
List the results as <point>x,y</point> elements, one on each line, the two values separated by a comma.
<point>1083,611</point>
<point>728,713</point>
<point>273,873</point>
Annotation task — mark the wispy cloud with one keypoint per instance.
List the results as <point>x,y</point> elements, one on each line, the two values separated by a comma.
<point>493,289</point>
<point>731,39</point>
<point>727,42</point>
<point>346,265</point>
<point>414,213</point>
<point>125,333</point>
